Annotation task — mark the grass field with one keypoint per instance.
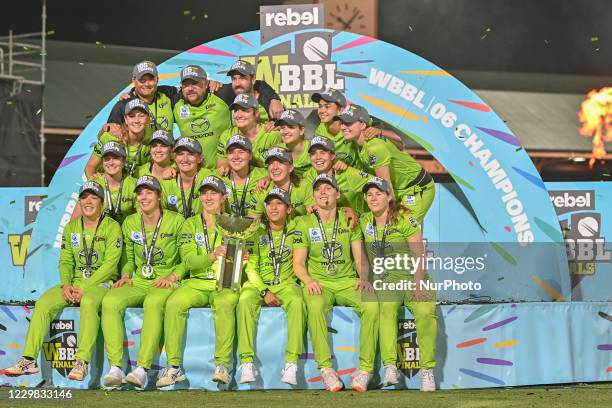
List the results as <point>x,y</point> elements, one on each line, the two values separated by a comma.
<point>580,395</point>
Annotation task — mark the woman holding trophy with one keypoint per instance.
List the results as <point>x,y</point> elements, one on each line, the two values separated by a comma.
<point>272,283</point>
<point>148,278</point>
<point>201,248</point>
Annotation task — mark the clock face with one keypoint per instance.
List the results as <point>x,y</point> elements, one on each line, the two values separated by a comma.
<point>357,16</point>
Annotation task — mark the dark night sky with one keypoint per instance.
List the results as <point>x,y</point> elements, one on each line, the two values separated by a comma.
<point>551,36</point>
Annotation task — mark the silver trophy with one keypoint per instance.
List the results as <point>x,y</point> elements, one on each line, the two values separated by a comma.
<point>235,231</point>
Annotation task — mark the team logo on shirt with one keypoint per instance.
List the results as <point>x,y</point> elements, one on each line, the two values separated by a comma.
<point>369,230</point>
<point>372,159</point>
<point>162,122</point>
<point>75,239</point>
<point>409,200</point>
<point>337,252</point>
<point>199,238</point>
<point>158,255</point>
<point>137,237</point>
<point>315,235</point>
<point>184,112</point>
<point>172,200</point>
<point>413,222</point>
<point>83,259</point>
<point>199,125</point>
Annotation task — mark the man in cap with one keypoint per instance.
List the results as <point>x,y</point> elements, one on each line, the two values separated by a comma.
<point>148,277</point>
<point>245,112</point>
<point>145,79</point>
<point>243,74</point>
<point>90,252</point>
<point>326,253</point>
<point>412,185</point>
<point>271,282</point>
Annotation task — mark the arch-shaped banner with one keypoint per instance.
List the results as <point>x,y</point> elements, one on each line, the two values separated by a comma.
<point>505,192</point>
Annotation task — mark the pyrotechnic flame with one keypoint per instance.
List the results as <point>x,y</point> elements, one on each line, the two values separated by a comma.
<point>596,118</point>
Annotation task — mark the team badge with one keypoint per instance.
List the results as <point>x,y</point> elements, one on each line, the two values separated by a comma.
<point>409,200</point>
<point>369,230</point>
<point>75,238</point>
<point>184,113</point>
<point>315,235</point>
<point>199,238</point>
<point>137,237</point>
<point>172,200</point>
<point>265,241</point>
<point>413,222</point>
<point>372,159</point>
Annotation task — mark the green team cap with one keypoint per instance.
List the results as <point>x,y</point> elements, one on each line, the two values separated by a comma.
<point>92,187</point>
<point>116,148</point>
<point>331,95</point>
<point>245,100</point>
<point>352,114</point>
<point>149,182</point>
<point>381,184</point>
<point>189,144</point>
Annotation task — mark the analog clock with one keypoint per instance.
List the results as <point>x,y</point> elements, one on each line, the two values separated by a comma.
<point>357,16</point>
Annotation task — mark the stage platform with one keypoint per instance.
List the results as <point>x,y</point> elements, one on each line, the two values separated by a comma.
<point>479,346</point>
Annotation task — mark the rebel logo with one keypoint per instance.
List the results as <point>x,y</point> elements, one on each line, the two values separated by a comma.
<point>61,347</point>
<point>575,200</point>
<point>408,348</point>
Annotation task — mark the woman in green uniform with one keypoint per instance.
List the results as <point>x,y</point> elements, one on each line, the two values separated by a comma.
<point>137,118</point>
<point>412,185</point>
<point>90,252</point>
<point>282,174</point>
<point>326,253</point>
<point>147,279</point>
<point>201,246</point>
<point>291,125</point>
<point>245,112</point>
<point>162,164</point>
<point>389,229</point>
<point>271,283</point>
<point>180,194</point>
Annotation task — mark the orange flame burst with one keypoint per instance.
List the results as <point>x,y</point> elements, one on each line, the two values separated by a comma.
<point>596,118</point>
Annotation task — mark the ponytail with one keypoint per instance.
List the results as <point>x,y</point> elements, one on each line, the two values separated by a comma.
<point>396,210</point>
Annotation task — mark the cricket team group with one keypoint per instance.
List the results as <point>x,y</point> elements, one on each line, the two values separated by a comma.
<point>144,232</point>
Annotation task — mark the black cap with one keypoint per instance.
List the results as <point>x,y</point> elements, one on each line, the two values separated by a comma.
<point>149,182</point>
<point>291,117</point>
<point>280,194</point>
<point>279,153</point>
<point>239,140</point>
<point>162,136</point>
<point>379,183</point>
<point>324,178</point>
<point>92,187</point>
<point>352,114</point>
<point>331,95</point>
<point>116,148</point>
<point>144,67</point>
<point>245,100</point>
<point>214,183</point>
<point>189,144</point>
<point>194,72</point>
<point>135,104</point>
<point>241,67</point>
<point>323,143</point>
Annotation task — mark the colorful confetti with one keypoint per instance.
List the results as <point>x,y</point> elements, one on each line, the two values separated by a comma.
<point>552,292</point>
<point>536,180</point>
<point>503,136</point>
<point>204,49</point>
<point>482,376</point>
<point>8,312</point>
<point>494,361</point>
<point>604,347</point>
<point>439,73</point>
<point>552,232</point>
<point>71,159</point>
<point>389,107</point>
<point>504,254</point>
<point>605,316</point>
<point>237,36</point>
<point>499,324</point>
<point>472,105</point>
<point>461,181</point>
<point>481,311</point>
<point>342,315</point>
<point>471,343</point>
<point>355,43</point>
<point>347,349</point>
<point>507,343</point>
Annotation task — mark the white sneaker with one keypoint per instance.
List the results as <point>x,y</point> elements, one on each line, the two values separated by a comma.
<point>79,371</point>
<point>391,376</point>
<point>115,377</point>
<point>428,383</point>
<point>247,373</point>
<point>169,376</point>
<point>138,377</point>
<point>361,381</point>
<point>330,380</point>
<point>221,375</point>
<point>288,375</point>
<point>23,366</point>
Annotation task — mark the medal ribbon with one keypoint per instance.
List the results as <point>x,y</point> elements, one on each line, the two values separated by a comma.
<point>113,209</point>
<point>241,205</point>
<point>330,249</point>
<point>148,250</point>
<point>380,246</point>
<point>89,254</point>
<point>206,242</point>
<point>187,211</point>
<point>276,262</point>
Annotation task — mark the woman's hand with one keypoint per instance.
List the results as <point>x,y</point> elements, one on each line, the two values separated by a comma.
<point>125,280</point>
